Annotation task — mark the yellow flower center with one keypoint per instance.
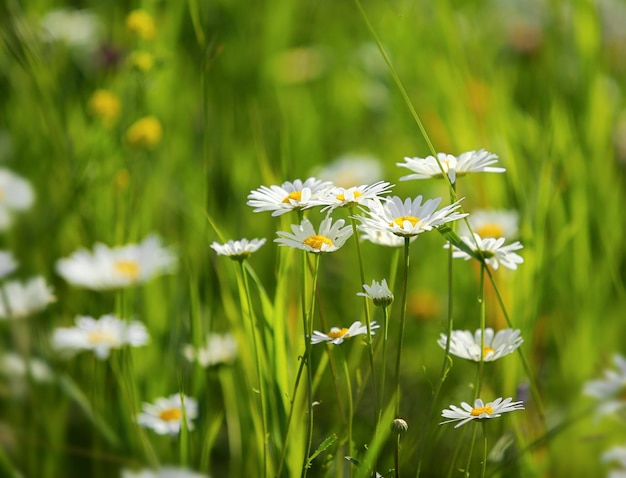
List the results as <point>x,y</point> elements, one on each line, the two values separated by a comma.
<point>487,350</point>
<point>129,269</point>
<point>106,105</point>
<point>337,333</point>
<point>342,197</point>
<point>295,196</point>
<point>142,23</point>
<point>490,229</point>
<point>101,337</point>
<point>399,221</point>
<point>476,412</point>
<point>317,241</point>
<point>145,133</point>
<point>170,415</point>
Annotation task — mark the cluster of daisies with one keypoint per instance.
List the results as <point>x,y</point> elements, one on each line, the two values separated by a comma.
<point>392,221</point>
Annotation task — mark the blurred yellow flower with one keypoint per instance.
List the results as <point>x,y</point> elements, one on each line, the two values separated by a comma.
<point>141,23</point>
<point>145,132</point>
<point>105,105</point>
<point>142,60</point>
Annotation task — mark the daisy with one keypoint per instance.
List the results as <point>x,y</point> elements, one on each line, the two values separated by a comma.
<point>19,300</point>
<point>16,194</point>
<point>14,366</point>
<point>616,454</point>
<point>491,250</point>
<point>287,197</point>
<point>111,268</point>
<point>337,336</point>
<point>351,170</point>
<point>381,238</point>
<point>329,239</point>
<point>101,335</point>
<point>218,349</point>
<point>238,250</point>
<point>350,197</point>
<point>494,224</point>
<point>453,166</point>
<point>165,415</point>
<point>479,411</point>
<point>7,264</point>
<point>465,345</point>
<point>163,472</point>
<point>610,390</point>
<point>379,293</point>
<point>409,217</point>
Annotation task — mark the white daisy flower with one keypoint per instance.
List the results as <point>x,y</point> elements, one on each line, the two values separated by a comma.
<point>329,238</point>
<point>351,170</point>
<point>492,250</point>
<point>79,29</point>
<point>610,390</point>
<point>336,197</point>
<point>453,166</point>
<point>381,238</point>
<point>479,411</point>
<point>14,366</point>
<point>7,264</point>
<point>101,335</point>
<point>466,345</point>
<point>16,194</point>
<point>19,300</point>
<point>238,250</point>
<point>409,217</point>
<point>111,268</point>
<point>218,349</point>
<point>287,197</point>
<point>163,472</point>
<point>616,454</point>
<point>337,336</point>
<point>165,415</point>
<point>495,224</point>
<point>378,292</point>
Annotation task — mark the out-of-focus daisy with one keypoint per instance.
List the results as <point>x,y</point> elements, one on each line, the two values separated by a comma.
<point>145,133</point>
<point>329,238</point>
<point>218,349</point>
<point>409,217</point>
<point>7,263</point>
<point>142,23</point>
<point>616,454</point>
<point>78,29</point>
<point>493,251</point>
<point>381,238</point>
<point>111,268</point>
<point>351,170</point>
<point>165,415</point>
<point>14,366</point>
<point>610,390</point>
<point>19,300</point>
<point>350,197</point>
<point>453,166</point>
<point>163,472</point>
<point>338,335</point>
<point>466,345</point>
<point>238,250</point>
<point>378,292</point>
<point>479,411</point>
<point>16,194</point>
<point>105,105</point>
<point>494,224</point>
<point>99,335</point>
<point>287,197</point>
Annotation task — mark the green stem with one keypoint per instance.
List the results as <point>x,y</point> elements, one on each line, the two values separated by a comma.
<point>471,451</point>
<point>396,456</point>
<point>405,278</point>
<point>483,313</point>
<point>384,364</point>
<point>350,404</point>
<point>483,470</point>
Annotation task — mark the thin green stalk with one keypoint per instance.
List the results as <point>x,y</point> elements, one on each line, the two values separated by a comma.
<point>483,470</point>
<point>384,362</point>
<point>350,404</point>
<point>483,313</point>
<point>471,451</point>
<point>405,279</point>
<point>396,456</point>
<point>257,356</point>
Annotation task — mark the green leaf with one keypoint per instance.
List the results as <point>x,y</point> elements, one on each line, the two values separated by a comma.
<point>323,446</point>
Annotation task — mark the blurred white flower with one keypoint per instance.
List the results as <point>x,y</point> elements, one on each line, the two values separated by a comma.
<point>610,390</point>
<point>218,349</point>
<point>163,472</point>
<point>616,454</point>
<point>329,239</point>
<point>79,29</point>
<point>101,335</point>
<point>336,335</point>
<point>21,299</point>
<point>492,250</point>
<point>238,250</point>
<point>165,415</point>
<point>14,366</point>
<point>16,194</point>
<point>352,170</point>
<point>287,197</point>
<point>7,264</point>
<point>382,238</point>
<point>111,268</point>
<point>466,345</point>
<point>480,410</point>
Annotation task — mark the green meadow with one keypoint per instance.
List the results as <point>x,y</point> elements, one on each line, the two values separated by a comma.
<point>159,118</point>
